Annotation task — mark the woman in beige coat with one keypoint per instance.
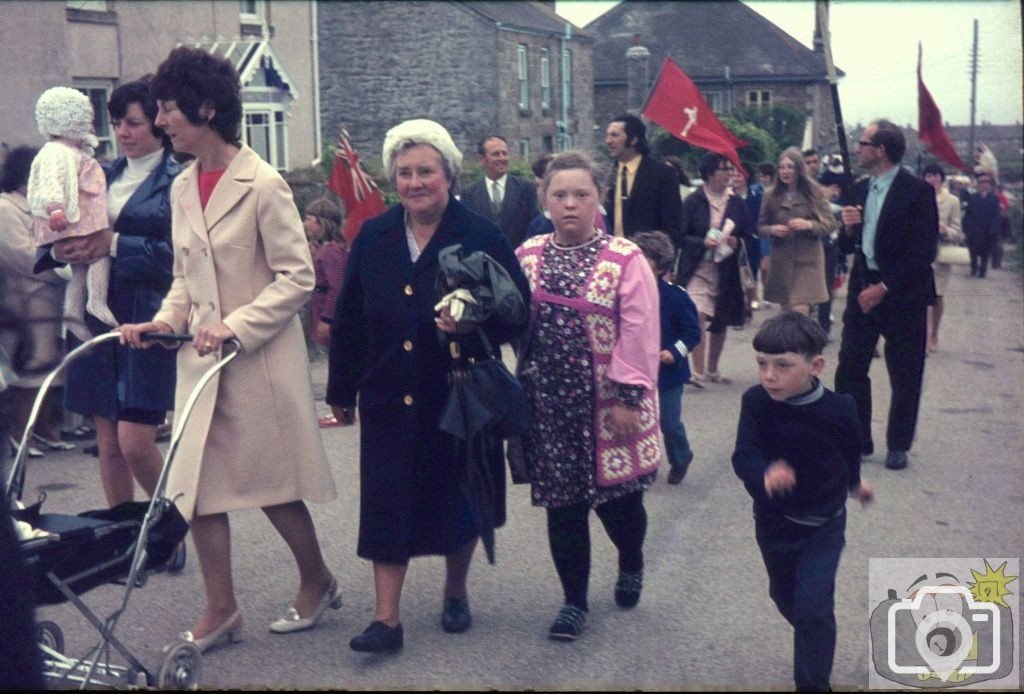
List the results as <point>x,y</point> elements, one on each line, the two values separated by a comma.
<point>242,271</point>
<point>795,215</point>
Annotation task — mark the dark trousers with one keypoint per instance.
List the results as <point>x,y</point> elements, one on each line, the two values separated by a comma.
<point>980,247</point>
<point>905,329</point>
<point>802,562</point>
<point>825,309</point>
<point>625,521</point>
<point>677,446</point>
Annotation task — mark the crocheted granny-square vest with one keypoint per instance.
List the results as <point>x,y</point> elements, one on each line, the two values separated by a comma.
<point>618,460</point>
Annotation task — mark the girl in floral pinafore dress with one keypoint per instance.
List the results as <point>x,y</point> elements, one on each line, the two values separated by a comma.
<point>589,365</point>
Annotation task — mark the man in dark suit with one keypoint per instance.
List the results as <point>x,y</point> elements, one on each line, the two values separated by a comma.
<point>644,193</point>
<point>508,201</point>
<point>892,226</point>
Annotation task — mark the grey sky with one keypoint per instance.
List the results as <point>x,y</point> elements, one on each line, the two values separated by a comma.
<point>875,43</point>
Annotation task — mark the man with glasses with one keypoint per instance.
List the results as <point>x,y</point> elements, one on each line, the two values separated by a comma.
<point>891,225</point>
<point>644,193</point>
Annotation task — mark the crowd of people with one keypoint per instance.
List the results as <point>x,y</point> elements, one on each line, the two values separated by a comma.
<point>189,232</point>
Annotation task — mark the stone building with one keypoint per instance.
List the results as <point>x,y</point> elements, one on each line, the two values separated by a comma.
<point>96,45</point>
<point>513,68</point>
<point>736,57</point>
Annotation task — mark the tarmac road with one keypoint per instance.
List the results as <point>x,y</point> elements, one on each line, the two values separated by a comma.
<point>705,620</point>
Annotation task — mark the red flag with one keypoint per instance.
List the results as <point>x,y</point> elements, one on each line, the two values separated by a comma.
<point>675,104</point>
<point>929,123</point>
<point>354,186</point>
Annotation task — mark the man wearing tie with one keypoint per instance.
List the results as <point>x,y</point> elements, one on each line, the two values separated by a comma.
<point>644,194</point>
<point>508,201</point>
<point>892,227</point>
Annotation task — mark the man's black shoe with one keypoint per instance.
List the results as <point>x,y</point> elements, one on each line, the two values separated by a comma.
<point>676,474</point>
<point>455,618</point>
<point>378,638</point>
<point>896,460</point>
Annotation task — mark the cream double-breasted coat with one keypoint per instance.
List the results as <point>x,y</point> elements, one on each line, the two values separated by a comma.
<point>252,439</point>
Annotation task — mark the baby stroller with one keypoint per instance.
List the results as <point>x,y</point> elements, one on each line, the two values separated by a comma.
<point>69,555</point>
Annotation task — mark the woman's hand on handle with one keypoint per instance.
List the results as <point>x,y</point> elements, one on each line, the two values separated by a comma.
<point>131,333</point>
<point>209,338</point>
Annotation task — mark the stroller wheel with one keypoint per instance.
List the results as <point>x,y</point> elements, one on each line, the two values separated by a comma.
<point>181,668</point>
<point>177,561</point>
<point>50,635</point>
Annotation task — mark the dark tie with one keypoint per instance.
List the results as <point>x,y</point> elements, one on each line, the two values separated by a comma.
<point>624,185</point>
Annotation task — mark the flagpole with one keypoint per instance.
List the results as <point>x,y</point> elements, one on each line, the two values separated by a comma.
<point>650,91</point>
<point>826,40</point>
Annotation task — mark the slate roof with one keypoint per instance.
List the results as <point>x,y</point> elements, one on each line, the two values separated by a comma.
<point>528,16</point>
<point>703,38</point>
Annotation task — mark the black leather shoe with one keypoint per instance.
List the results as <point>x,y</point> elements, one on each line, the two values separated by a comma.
<point>378,638</point>
<point>896,460</point>
<point>628,587</point>
<point>676,474</point>
<point>455,618</point>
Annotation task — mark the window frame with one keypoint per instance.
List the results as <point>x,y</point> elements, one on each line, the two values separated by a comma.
<point>277,126</point>
<point>716,100</point>
<point>257,17</point>
<point>760,98</point>
<point>87,5</point>
<point>545,79</point>
<point>523,74</point>
<point>107,148</point>
<point>567,89</point>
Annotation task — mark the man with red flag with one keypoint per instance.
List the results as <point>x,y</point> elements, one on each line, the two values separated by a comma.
<point>929,123</point>
<point>676,104</point>
<point>643,194</point>
<point>354,186</point>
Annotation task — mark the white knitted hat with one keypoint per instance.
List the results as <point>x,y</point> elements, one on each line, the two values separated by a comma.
<point>66,112</point>
<point>421,131</point>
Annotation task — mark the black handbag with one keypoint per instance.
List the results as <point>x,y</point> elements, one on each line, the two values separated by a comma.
<point>485,396</point>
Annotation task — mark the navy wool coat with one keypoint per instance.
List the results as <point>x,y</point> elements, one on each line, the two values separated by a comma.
<point>385,348</point>
<point>111,377</point>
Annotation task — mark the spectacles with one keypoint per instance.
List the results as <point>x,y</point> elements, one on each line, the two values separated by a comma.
<point>862,143</point>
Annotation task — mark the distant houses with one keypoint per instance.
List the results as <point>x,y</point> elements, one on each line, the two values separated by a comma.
<point>736,57</point>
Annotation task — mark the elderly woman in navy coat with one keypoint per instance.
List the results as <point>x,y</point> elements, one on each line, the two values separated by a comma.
<point>386,346</point>
<point>128,392</point>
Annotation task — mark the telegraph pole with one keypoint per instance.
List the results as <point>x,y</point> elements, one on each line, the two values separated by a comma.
<point>974,92</point>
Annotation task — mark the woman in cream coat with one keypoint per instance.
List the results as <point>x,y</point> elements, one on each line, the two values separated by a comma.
<point>795,215</point>
<point>242,271</point>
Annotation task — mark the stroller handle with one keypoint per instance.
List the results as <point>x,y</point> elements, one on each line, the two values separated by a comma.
<point>182,337</point>
<point>167,336</point>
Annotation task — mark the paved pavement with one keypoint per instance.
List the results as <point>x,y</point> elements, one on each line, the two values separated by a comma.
<point>705,620</point>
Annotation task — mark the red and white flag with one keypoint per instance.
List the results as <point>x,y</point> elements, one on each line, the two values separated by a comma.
<point>929,123</point>
<point>354,186</point>
<point>676,104</point>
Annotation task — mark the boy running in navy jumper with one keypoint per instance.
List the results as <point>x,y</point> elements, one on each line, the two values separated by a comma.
<point>680,333</point>
<point>798,454</point>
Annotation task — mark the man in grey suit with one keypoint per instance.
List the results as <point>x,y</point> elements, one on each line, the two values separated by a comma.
<point>508,201</point>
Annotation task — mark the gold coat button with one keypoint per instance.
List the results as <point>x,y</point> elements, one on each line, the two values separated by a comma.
<point>407,400</point>
<point>408,290</point>
<point>407,345</point>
